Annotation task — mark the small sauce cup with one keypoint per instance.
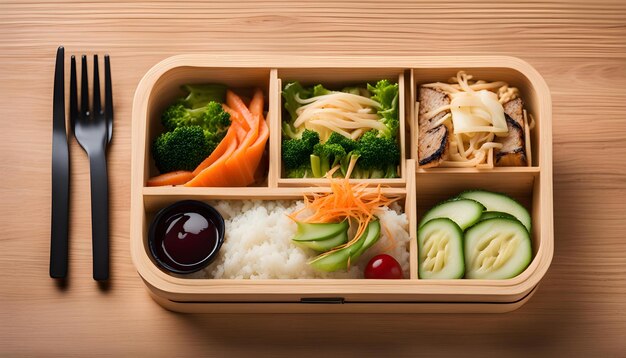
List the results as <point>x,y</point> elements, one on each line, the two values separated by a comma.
<point>186,236</point>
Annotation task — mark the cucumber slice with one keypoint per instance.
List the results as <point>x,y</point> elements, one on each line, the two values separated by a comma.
<point>325,244</point>
<point>333,261</point>
<point>319,231</point>
<point>495,214</point>
<point>440,250</point>
<point>464,212</point>
<point>372,234</point>
<point>500,202</point>
<point>340,259</point>
<point>497,248</point>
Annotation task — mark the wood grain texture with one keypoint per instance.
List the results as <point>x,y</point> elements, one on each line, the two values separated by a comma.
<point>579,47</point>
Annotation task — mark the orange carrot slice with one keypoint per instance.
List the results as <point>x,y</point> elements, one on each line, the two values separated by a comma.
<point>255,151</point>
<point>231,135</point>
<point>237,104</point>
<point>179,177</point>
<point>216,174</point>
<point>241,134</point>
<point>237,164</point>
<point>257,102</point>
<point>236,117</point>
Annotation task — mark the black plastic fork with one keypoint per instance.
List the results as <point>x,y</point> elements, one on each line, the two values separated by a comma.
<point>93,131</point>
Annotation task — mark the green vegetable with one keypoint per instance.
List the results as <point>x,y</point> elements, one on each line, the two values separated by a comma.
<point>464,212</point>
<point>201,94</point>
<point>296,153</point>
<point>303,171</point>
<point>496,243</point>
<point>292,91</point>
<point>201,109</point>
<point>212,118</point>
<point>497,248</point>
<point>336,260</point>
<point>495,214</point>
<point>323,236</point>
<point>325,156</point>
<point>319,231</point>
<point>378,156</point>
<point>500,202</point>
<point>377,152</point>
<point>325,244</point>
<point>339,259</point>
<point>372,234</point>
<point>319,90</point>
<point>440,250</point>
<point>387,95</point>
<point>181,149</point>
<point>342,258</point>
<point>347,144</point>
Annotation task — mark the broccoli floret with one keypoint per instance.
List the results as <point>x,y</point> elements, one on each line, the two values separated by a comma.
<point>214,118</point>
<point>348,144</point>
<point>211,117</point>
<point>300,172</point>
<point>181,149</point>
<point>200,95</point>
<point>386,94</point>
<point>215,122</point>
<point>345,163</point>
<point>296,152</point>
<point>326,156</point>
<point>378,156</point>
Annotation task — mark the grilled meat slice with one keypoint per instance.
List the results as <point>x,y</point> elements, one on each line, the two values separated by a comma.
<point>515,109</point>
<point>434,140</point>
<point>433,146</point>
<point>513,152</point>
<point>431,99</point>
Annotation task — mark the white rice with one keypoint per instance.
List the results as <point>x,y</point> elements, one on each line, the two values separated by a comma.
<point>257,243</point>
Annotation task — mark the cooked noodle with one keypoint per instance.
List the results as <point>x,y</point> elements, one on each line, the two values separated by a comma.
<point>347,114</point>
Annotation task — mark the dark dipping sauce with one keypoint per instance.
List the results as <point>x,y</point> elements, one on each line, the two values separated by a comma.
<point>186,236</point>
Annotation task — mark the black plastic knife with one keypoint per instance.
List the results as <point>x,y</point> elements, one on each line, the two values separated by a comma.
<point>60,175</point>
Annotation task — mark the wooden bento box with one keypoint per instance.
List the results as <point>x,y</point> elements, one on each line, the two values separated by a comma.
<point>420,188</point>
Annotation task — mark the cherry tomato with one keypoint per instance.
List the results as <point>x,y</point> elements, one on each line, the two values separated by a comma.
<point>383,267</point>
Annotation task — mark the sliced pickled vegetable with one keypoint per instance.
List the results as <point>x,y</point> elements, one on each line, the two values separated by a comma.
<point>326,244</point>
<point>372,234</point>
<point>497,248</point>
<point>464,212</point>
<point>500,202</point>
<point>440,250</point>
<point>332,261</point>
<point>342,258</point>
<point>319,231</point>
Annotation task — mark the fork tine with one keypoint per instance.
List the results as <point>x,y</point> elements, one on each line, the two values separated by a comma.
<point>108,96</point>
<point>84,88</point>
<point>97,109</point>
<point>73,95</point>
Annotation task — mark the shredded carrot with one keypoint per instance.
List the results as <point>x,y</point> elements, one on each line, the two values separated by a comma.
<point>356,203</point>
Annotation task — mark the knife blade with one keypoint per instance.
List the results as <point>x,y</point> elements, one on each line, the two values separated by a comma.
<point>60,175</point>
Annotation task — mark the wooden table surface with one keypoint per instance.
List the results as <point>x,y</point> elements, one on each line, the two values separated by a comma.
<point>579,47</point>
